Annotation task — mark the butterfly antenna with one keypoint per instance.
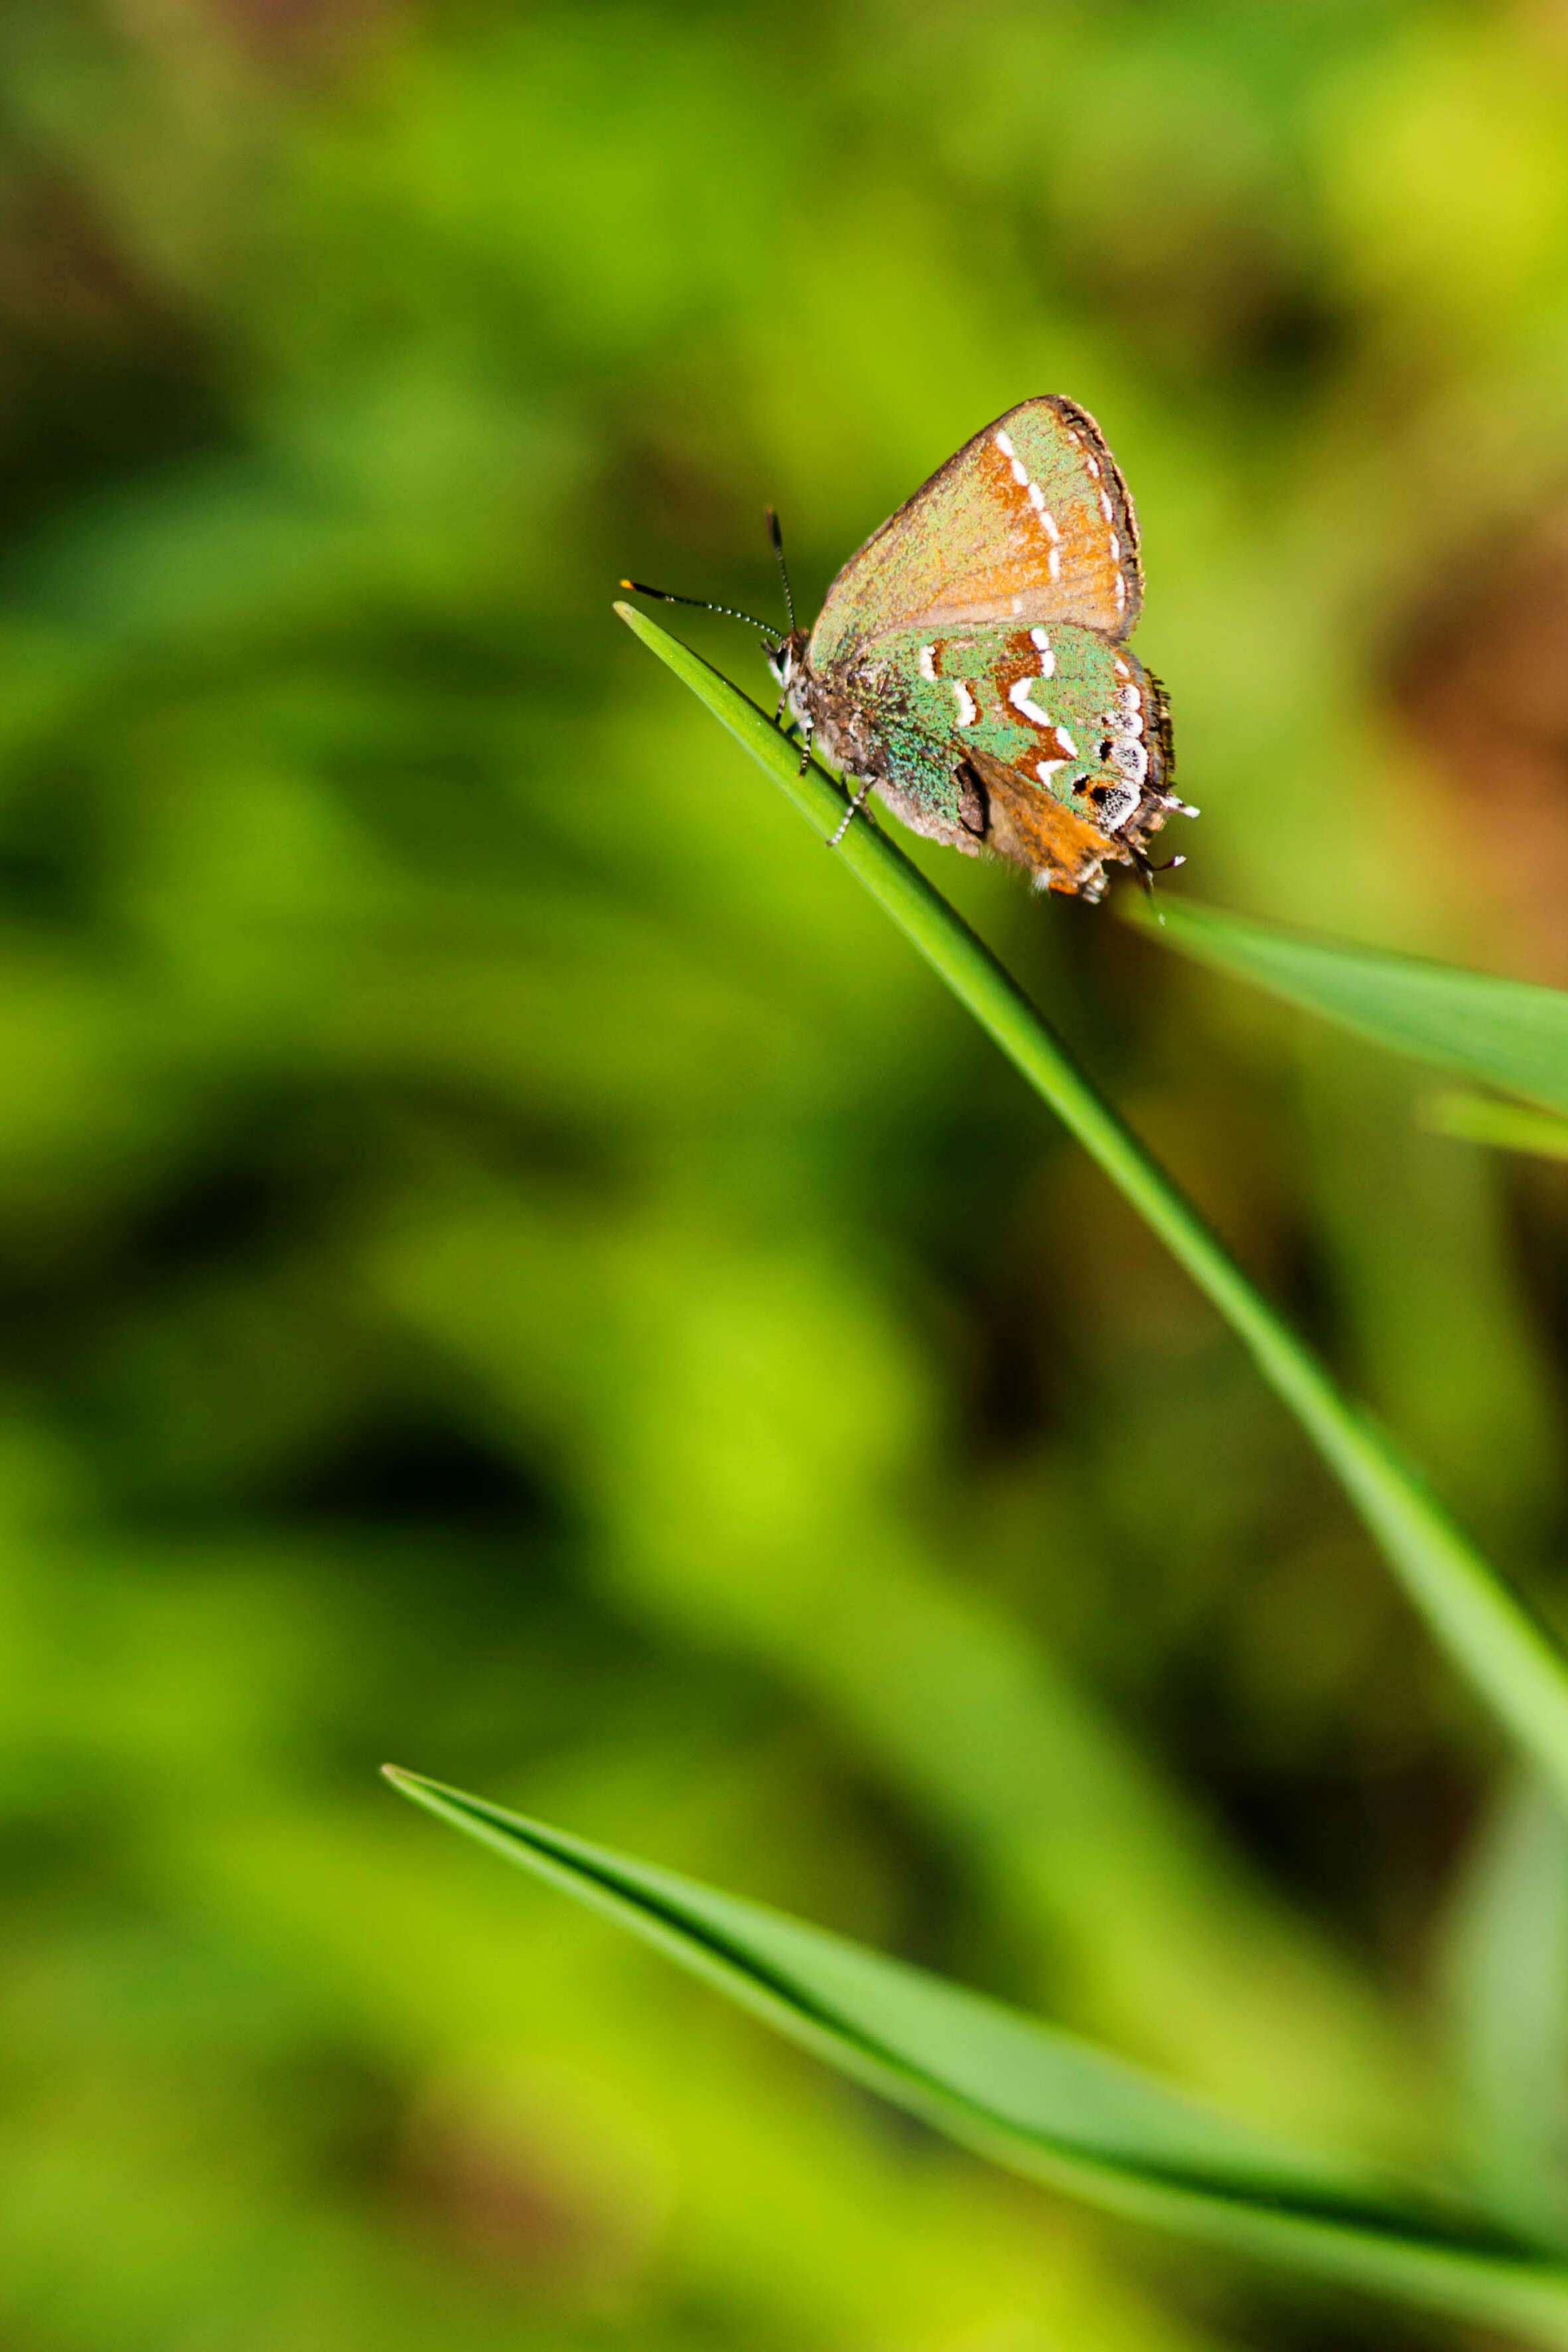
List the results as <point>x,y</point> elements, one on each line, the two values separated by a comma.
<point>775,534</point>
<point>730,611</point>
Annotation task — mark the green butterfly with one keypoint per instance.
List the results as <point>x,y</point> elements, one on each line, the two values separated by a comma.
<point>969,664</point>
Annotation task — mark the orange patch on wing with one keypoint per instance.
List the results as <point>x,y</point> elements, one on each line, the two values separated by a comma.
<point>1037,831</point>
<point>1067,567</point>
<point>1089,575</point>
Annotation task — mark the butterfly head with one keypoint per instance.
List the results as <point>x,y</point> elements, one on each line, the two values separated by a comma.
<point>786,655</point>
<point>786,658</point>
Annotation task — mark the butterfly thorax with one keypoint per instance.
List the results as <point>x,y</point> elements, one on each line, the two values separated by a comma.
<point>838,709</point>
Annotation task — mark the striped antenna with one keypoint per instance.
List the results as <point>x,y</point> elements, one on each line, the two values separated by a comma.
<point>775,534</point>
<point>668,596</point>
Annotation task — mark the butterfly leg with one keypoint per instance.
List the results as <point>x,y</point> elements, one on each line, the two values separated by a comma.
<point>807,731</point>
<point>850,814</point>
<point>1148,870</point>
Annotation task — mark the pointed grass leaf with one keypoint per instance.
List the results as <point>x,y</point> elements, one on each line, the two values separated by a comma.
<point>1506,1126</point>
<point>1042,2101</point>
<point>1509,1034</point>
<point>1509,1658</point>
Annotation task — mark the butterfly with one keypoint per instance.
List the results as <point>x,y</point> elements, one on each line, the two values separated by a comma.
<point>970,663</point>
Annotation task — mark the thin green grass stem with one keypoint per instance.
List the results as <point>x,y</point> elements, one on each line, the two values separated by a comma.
<point>1509,1658</point>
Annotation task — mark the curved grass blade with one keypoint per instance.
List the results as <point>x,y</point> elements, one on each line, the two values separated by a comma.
<point>1491,1636</point>
<point>1505,1032</point>
<point>1039,2101</point>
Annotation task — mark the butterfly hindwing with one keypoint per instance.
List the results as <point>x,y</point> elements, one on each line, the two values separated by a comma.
<point>1030,523</point>
<point>1048,745</point>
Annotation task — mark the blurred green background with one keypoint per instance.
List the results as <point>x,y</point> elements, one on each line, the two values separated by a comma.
<point>509,1265</point>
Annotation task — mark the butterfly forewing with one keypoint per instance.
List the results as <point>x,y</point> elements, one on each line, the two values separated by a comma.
<point>1030,523</point>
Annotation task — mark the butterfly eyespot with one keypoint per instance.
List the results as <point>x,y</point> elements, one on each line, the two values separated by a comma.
<point>1106,747</point>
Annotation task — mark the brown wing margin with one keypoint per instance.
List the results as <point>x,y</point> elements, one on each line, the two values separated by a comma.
<point>1112,481</point>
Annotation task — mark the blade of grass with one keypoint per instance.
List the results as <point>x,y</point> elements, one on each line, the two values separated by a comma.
<point>1043,2103</point>
<point>1491,1636</point>
<point>1507,1033</point>
<point>1507,1126</point>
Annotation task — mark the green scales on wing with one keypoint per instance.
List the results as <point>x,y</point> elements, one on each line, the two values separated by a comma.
<point>1031,522</point>
<point>1031,713</point>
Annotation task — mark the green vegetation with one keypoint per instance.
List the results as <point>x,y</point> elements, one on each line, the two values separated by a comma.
<point>510,1264</point>
<point>1058,2111</point>
<point>1499,1031</point>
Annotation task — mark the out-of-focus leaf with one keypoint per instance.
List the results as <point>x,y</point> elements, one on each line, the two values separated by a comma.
<point>1507,1033</point>
<point>1050,2107</point>
<point>1508,1976</point>
<point>1482,1118</point>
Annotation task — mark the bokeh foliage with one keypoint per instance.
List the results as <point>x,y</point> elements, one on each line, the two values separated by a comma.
<point>507,1263</point>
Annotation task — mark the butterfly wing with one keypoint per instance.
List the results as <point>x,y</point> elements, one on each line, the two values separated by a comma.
<point>1031,524</point>
<point>1050,746</point>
